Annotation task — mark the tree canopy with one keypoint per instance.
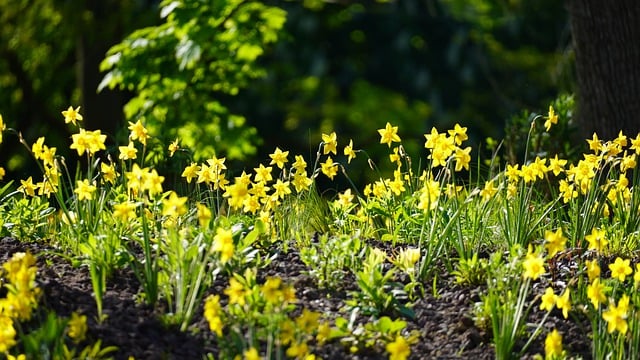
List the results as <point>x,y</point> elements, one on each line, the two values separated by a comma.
<point>227,76</point>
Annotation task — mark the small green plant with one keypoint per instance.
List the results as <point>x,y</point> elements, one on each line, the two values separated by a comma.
<point>102,254</point>
<point>373,336</point>
<point>331,258</point>
<point>257,314</point>
<point>26,217</point>
<point>378,293</point>
<point>472,271</point>
<point>507,300</point>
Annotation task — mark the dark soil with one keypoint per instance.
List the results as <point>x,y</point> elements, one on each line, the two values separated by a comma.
<point>443,318</point>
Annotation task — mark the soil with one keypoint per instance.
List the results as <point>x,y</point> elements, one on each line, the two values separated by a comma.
<point>443,317</point>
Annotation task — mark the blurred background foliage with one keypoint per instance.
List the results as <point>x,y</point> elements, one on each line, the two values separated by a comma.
<point>238,78</point>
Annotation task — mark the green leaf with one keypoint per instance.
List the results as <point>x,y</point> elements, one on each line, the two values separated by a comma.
<point>248,52</point>
<point>168,9</point>
<point>187,53</point>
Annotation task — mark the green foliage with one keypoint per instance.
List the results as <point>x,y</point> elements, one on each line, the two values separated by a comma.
<point>181,70</point>
<point>378,293</point>
<point>49,54</point>
<point>524,140</point>
<point>26,217</point>
<point>369,336</point>
<point>331,258</point>
<point>472,271</point>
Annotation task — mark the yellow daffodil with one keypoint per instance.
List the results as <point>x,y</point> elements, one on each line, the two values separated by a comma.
<point>593,269</point>
<point>2,173</point>
<point>244,179</point>
<point>190,172</point>
<point>528,173</point>
<point>38,148</point>
<point>330,143</point>
<point>298,350</point>
<point>299,165</point>
<point>88,141</point>
<point>109,173</point>
<point>441,151</point>
<point>281,189</point>
<point>389,134</point>
<point>488,191</point>
<point>173,147</point>
<point>329,168</point>
<point>204,214</point>
<point>395,157</point>
<point>513,173</point>
<point>279,158</point>
<point>563,302</point>
<point>7,333</point>
<point>324,332</point>
<point>597,240</point>
<point>223,243</point>
<point>595,293</point>
<point>263,174</point>
<point>77,327</point>
<point>271,289</point>
<point>616,316</point>
<point>3,126</point>
<point>429,195</point>
<point>552,119</point>
<point>218,163</point>
<point>308,321</point>
<point>396,185</point>
<point>153,182</point>
<point>174,205</point>
<point>553,345</point>
<point>635,144</point>
<point>462,157</point>
<point>548,300</point>
<point>345,198</point>
<point>236,292</point>
<point>125,211</point>
<point>595,144</point>
<point>621,140</point>
<point>128,152</point>
<point>620,269</point>
<point>349,152</point>
<point>138,132</point>
<point>212,313</point>
<point>236,194</point>
<point>627,162</point>
<point>27,187</point>
<point>287,331</point>
<point>71,115</point>
<point>533,265</point>
<point>398,349</point>
<point>567,191</point>
<point>555,241</point>
<point>459,134</point>
<point>251,204</point>
<point>301,182</point>
<point>251,354</point>
<point>84,190</point>
<point>557,165</point>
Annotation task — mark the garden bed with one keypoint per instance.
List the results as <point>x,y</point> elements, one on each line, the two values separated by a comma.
<point>444,320</point>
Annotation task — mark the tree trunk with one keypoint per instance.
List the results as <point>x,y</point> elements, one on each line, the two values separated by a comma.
<point>101,110</point>
<point>606,37</point>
